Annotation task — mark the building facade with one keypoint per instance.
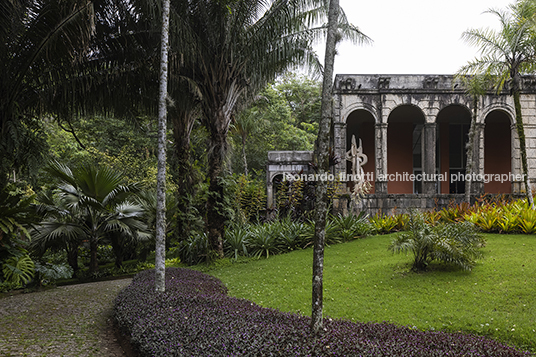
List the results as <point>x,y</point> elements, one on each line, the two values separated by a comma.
<point>414,130</point>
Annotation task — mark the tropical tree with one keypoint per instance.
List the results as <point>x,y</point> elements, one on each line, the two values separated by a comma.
<point>322,163</point>
<point>506,54</point>
<point>475,86</point>
<point>234,49</point>
<point>303,95</point>
<point>40,40</point>
<point>91,205</point>
<point>59,229</point>
<point>160,252</point>
<point>245,124</point>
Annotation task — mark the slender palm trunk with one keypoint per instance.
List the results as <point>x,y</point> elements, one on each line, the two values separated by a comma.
<point>160,250</point>
<point>322,157</point>
<point>118,244</point>
<point>72,258</point>
<point>521,134</point>
<point>215,219</point>
<point>244,157</point>
<point>471,152</point>
<point>93,248</point>
<point>183,173</point>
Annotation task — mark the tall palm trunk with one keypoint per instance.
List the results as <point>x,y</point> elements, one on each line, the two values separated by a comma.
<point>72,257</point>
<point>244,157</point>
<point>521,135</point>
<point>93,248</point>
<point>215,219</point>
<point>471,151</point>
<point>183,173</point>
<point>160,250</point>
<point>322,157</point>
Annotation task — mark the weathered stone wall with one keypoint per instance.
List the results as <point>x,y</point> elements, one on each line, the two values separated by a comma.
<point>381,94</point>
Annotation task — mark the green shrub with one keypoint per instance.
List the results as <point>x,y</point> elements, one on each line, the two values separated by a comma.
<point>452,243</point>
<point>49,273</point>
<point>384,224</point>
<point>350,227</point>
<point>527,221</point>
<point>193,250</point>
<point>236,241</point>
<point>454,212</point>
<point>18,270</point>
<point>264,239</point>
<point>290,237</point>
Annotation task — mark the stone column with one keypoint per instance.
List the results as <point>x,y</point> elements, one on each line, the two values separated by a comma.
<point>381,158</point>
<point>518,187</point>
<point>270,195</point>
<point>429,142</point>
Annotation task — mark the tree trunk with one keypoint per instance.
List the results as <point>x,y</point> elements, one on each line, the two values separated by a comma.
<point>522,146</point>
<point>183,173</point>
<point>72,258</point>
<point>244,157</point>
<point>322,157</point>
<point>93,248</point>
<point>471,151</point>
<point>118,248</point>
<point>160,250</point>
<point>215,219</point>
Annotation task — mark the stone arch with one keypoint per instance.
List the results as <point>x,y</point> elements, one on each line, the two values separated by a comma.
<point>404,148</point>
<point>371,109</point>
<point>362,124</point>
<point>498,151</point>
<point>503,107</point>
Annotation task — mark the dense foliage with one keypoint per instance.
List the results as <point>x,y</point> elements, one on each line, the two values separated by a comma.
<point>195,317</point>
<point>277,237</point>
<point>283,117</point>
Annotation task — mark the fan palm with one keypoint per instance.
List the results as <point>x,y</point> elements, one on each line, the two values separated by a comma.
<point>92,205</point>
<point>60,228</point>
<point>507,54</point>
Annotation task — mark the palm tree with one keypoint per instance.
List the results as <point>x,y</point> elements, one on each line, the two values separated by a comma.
<point>40,40</point>
<point>60,228</point>
<point>507,54</point>
<point>160,251</point>
<point>245,124</point>
<point>91,204</point>
<point>322,163</point>
<point>475,86</point>
<point>230,51</point>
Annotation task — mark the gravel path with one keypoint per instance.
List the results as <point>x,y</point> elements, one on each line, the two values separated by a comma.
<point>66,321</point>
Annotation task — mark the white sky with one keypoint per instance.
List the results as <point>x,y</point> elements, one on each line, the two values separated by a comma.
<point>412,36</point>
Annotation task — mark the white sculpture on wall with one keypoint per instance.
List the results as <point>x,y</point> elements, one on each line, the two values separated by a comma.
<point>358,159</point>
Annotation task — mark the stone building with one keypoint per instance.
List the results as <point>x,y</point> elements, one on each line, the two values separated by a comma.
<point>414,130</point>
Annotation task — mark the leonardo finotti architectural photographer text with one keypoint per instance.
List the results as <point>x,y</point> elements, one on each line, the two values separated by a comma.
<point>405,177</point>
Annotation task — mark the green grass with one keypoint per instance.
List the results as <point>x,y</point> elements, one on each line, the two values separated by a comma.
<point>363,281</point>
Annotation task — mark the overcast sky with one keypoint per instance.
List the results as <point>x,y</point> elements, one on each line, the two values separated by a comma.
<point>412,36</point>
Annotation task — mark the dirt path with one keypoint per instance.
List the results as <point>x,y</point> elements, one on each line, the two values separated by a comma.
<point>66,321</point>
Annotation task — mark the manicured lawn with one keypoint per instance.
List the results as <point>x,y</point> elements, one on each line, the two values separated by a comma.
<point>363,281</point>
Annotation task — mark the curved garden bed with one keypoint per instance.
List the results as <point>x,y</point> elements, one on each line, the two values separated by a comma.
<point>196,317</point>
